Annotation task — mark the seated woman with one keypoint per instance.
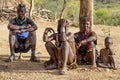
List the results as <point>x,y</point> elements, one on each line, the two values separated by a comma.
<point>22,36</point>
<point>86,41</point>
<point>106,58</point>
<point>62,53</point>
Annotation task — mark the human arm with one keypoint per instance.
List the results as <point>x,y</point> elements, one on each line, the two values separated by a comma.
<point>111,57</point>
<point>47,38</point>
<point>31,26</point>
<point>91,38</point>
<point>12,25</point>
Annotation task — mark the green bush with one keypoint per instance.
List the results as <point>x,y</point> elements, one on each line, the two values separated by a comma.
<point>102,15</point>
<point>72,12</point>
<point>115,19</point>
<point>107,16</point>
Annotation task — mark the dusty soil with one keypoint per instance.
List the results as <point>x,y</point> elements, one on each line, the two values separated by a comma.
<point>26,70</point>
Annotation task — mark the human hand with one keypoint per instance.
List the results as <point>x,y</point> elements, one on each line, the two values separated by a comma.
<point>23,30</point>
<point>30,29</point>
<point>49,30</point>
<point>21,27</point>
<point>83,42</point>
<point>28,26</point>
<point>17,31</point>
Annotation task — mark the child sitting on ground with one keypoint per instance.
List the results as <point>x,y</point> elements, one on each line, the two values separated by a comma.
<point>106,59</point>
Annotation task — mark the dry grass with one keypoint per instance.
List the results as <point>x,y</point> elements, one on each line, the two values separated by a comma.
<point>26,70</point>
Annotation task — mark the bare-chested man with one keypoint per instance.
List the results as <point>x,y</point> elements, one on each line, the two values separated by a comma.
<point>64,46</point>
<point>86,41</point>
<point>106,59</point>
<point>22,35</point>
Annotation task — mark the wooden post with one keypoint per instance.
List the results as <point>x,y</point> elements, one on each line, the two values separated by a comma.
<point>86,9</point>
<point>31,8</point>
<point>63,9</point>
<point>2,5</point>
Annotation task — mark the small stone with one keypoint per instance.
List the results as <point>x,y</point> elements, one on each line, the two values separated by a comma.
<point>107,69</point>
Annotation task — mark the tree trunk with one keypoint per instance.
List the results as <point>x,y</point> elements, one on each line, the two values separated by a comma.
<point>86,9</point>
<point>1,6</point>
<point>31,8</point>
<point>63,9</point>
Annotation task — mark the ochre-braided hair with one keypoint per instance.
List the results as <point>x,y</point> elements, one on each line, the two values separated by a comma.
<point>85,18</point>
<point>60,24</point>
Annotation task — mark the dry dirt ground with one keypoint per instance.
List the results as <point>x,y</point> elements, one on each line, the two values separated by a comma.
<point>26,70</point>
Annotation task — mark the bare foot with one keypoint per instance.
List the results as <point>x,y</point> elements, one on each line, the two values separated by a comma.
<point>10,59</point>
<point>63,71</point>
<point>52,66</point>
<point>93,67</point>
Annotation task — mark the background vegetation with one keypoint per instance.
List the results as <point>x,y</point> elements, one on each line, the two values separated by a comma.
<point>106,12</point>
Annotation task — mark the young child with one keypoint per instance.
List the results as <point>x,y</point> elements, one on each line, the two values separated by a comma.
<point>106,59</point>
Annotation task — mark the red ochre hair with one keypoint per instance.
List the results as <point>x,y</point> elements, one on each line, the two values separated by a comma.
<point>60,24</point>
<point>85,18</point>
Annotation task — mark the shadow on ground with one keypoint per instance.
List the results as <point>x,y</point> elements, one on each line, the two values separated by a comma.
<point>20,65</point>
